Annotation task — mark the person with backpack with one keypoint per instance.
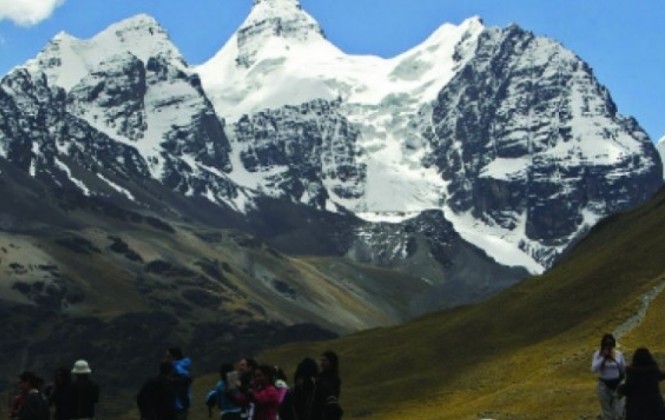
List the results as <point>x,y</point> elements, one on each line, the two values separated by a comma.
<point>34,405</point>
<point>297,403</point>
<point>82,395</point>
<point>641,389</point>
<point>610,366</point>
<point>181,381</point>
<point>328,388</point>
<point>156,399</point>
<point>224,394</point>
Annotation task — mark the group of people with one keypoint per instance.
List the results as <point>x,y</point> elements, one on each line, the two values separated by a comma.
<point>72,395</point>
<point>253,391</point>
<point>246,391</point>
<point>627,392</point>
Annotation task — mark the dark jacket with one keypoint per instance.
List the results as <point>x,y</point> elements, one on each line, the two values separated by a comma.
<point>80,399</point>
<point>57,399</point>
<point>327,390</point>
<point>643,399</point>
<point>156,399</point>
<point>297,404</point>
<point>34,407</point>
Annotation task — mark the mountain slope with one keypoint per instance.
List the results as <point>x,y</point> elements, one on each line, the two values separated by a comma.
<point>479,155</point>
<point>82,276</point>
<point>492,358</point>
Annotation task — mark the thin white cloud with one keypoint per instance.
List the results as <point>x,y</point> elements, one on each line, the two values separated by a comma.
<point>27,12</point>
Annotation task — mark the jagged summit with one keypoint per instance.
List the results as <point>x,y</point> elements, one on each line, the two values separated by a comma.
<point>271,26</point>
<point>67,59</point>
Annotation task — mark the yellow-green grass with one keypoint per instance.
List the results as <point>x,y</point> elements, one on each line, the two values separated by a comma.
<point>522,354</point>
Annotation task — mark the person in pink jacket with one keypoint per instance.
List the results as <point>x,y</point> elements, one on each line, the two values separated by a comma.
<point>264,394</point>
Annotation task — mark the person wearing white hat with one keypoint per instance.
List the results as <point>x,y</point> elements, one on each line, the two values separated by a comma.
<point>81,367</point>
<point>82,395</point>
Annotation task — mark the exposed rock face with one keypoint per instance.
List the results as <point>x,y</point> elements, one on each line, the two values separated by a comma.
<point>41,138</point>
<point>528,139</point>
<point>310,150</point>
<point>428,245</point>
<point>139,97</point>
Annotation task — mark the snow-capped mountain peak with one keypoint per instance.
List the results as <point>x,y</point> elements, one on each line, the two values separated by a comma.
<point>508,134</point>
<point>66,59</point>
<point>272,27</point>
<point>660,146</point>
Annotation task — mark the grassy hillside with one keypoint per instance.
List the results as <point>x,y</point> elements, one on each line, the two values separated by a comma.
<point>523,354</point>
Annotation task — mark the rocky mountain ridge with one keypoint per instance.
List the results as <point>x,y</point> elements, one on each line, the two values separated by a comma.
<point>507,135</point>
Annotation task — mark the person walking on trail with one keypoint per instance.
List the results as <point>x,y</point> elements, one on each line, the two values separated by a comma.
<point>34,405</point>
<point>642,391</point>
<point>610,366</point>
<point>82,394</point>
<point>223,395</point>
<point>181,381</point>
<point>156,399</point>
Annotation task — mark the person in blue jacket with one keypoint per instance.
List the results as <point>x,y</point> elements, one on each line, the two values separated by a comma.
<point>223,394</point>
<point>181,381</point>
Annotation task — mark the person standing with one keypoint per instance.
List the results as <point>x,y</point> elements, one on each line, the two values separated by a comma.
<point>156,399</point>
<point>610,366</point>
<point>328,388</point>
<point>246,368</point>
<point>34,405</point>
<point>222,395</point>
<point>264,395</point>
<point>642,391</point>
<point>297,404</point>
<point>82,395</point>
<point>61,382</point>
<point>181,381</point>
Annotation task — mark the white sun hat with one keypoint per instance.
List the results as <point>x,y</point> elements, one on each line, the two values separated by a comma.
<point>81,368</point>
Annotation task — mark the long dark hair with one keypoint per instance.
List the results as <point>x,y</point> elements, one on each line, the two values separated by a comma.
<point>642,358</point>
<point>608,340</point>
<point>333,359</point>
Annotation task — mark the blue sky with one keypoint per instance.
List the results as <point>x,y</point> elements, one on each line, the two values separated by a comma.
<point>623,41</point>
